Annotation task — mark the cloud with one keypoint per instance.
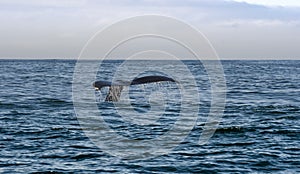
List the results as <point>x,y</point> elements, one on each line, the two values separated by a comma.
<point>258,23</point>
<point>273,3</point>
<point>43,3</point>
<point>60,28</point>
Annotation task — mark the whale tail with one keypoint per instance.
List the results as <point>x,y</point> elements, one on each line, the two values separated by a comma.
<point>116,88</point>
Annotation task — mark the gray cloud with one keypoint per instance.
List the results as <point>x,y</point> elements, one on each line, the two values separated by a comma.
<point>59,29</point>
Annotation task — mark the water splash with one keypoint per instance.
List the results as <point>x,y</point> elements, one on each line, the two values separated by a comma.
<point>114,93</point>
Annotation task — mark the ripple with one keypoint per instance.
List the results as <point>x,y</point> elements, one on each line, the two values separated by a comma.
<point>259,132</point>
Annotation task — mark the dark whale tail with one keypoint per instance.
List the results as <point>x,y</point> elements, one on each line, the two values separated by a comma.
<point>115,88</point>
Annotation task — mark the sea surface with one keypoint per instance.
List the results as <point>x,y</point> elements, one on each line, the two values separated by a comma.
<point>259,131</point>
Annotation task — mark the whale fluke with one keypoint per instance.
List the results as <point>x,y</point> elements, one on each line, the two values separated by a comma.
<point>115,88</point>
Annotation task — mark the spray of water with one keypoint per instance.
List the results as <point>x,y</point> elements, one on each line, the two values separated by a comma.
<point>114,93</point>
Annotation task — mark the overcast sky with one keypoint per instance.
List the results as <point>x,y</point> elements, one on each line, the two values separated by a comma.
<point>253,29</point>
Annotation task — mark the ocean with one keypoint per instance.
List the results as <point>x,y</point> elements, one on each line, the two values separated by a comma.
<point>258,133</point>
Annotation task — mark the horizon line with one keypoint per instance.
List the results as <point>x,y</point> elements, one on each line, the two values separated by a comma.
<point>65,58</point>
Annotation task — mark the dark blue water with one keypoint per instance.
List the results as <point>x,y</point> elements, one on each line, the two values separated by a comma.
<point>259,132</point>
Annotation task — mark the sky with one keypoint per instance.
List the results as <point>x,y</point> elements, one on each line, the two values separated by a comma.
<point>237,29</point>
